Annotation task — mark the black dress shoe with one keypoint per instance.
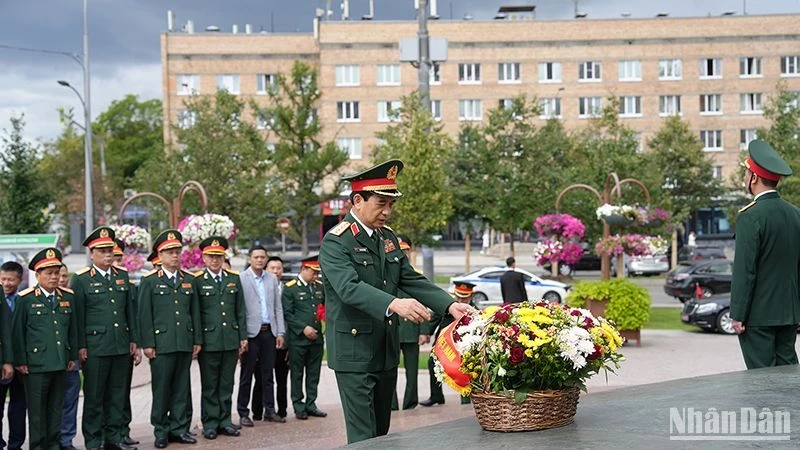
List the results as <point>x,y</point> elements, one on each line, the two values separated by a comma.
<point>302,415</point>
<point>209,434</point>
<point>238,427</point>
<point>191,433</point>
<point>257,417</point>
<point>246,422</point>
<point>119,446</point>
<point>161,443</point>
<point>185,438</point>
<point>317,413</point>
<point>282,413</point>
<point>67,447</point>
<point>229,431</point>
<point>130,441</point>
<point>430,402</point>
<point>272,417</point>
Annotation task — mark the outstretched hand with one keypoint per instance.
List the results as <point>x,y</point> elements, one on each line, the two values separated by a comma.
<point>457,310</point>
<point>411,309</point>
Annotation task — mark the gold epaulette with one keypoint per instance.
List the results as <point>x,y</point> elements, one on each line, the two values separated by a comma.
<point>121,268</point>
<point>233,272</point>
<point>83,271</point>
<point>388,228</point>
<point>189,273</point>
<point>152,272</point>
<point>291,283</point>
<point>339,228</point>
<point>318,281</point>
<point>748,206</point>
<point>26,291</point>
<point>198,273</point>
<point>66,289</point>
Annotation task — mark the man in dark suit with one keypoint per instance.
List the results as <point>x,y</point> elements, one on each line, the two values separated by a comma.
<point>265,331</point>
<point>11,278</point>
<point>364,269</point>
<point>765,302</point>
<point>512,284</point>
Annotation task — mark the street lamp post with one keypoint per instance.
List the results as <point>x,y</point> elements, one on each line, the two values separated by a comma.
<point>87,155</point>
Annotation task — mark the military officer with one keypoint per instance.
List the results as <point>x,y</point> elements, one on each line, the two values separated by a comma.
<point>135,359</point>
<point>364,270</point>
<point>171,334</point>
<point>154,259</point>
<point>45,342</point>
<point>302,298</point>
<point>410,340</point>
<point>765,302</point>
<point>224,336</point>
<point>106,340</point>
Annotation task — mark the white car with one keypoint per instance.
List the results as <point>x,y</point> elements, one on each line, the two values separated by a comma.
<point>487,286</point>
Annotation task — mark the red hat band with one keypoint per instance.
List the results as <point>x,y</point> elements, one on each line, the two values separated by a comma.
<point>463,291</point>
<point>102,242</point>
<point>760,171</point>
<point>313,265</point>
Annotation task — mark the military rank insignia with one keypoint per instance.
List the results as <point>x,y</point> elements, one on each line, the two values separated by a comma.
<point>63,304</point>
<point>388,246</point>
<point>120,282</point>
<point>186,285</point>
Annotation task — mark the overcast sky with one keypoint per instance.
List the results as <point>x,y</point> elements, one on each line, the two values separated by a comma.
<point>124,39</point>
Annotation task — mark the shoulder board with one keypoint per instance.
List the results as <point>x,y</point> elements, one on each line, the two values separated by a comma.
<point>339,229</point>
<point>748,206</point>
<point>120,268</point>
<point>131,282</point>
<point>83,271</point>
<point>26,291</point>
<point>198,273</point>
<point>291,283</point>
<point>188,273</point>
<point>318,282</point>
<point>232,272</point>
<point>152,272</point>
<point>388,228</point>
<point>66,289</point>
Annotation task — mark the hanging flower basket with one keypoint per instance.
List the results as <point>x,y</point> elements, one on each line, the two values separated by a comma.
<point>618,220</point>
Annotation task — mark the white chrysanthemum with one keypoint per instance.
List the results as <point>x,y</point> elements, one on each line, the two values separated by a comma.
<point>575,343</point>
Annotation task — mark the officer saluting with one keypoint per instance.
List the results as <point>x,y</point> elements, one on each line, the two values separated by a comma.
<point>364,270</point>
<point>765,302</point>
<point>171,334</point>
<point>45,342</point>
<point>224,336</point>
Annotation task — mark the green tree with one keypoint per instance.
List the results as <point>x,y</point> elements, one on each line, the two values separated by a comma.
<point>469,177</point>
<point>783,112</point>
<point>302,163</point>
<point>23,198</point>
<point>418,141</point>
<point>62,167</point>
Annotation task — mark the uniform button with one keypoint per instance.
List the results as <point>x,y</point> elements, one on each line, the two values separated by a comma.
<point>115,313</point>
<point>223,313</point>
<point>111,289</point>
<point>405,320</point>
<point>177,313</point>
<point>207,294</point>
<point>94,333</point>
<point>35,350</point>
<point>57,332</point>
<point>112,300</point>
<point>224,324</point>
<point>178,323</point>
<point>58,342</point>
<point>384,282</point>
<point>174,291</point>
<point>157,331</point>
<point>390,322</point>
<point>176,302</point>
<point>221,303</point>
<point>116,325</point>
<point>354,332</point>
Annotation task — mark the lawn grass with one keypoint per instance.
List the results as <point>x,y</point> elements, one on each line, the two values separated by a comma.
<point>441,279</point>
<point>667,318</point>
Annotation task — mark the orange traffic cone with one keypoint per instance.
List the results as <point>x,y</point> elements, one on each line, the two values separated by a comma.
<point>697,291</point>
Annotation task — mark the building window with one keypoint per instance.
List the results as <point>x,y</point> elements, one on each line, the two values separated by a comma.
<point>669,105</point>
<point>630,106</point>
<point>550,72</point>
<point>436,109</point>
<point>716,172</point>
<point>746,136</point>
<point>750,103</point>
<point>710,68</point>
<point>348,75</point>
<point>505,103</point>
<point>790,66</point>
<point>630,71</point>
<point>508,73</point>
<point>351,145</point>
<point>469,73</point>
<point>470,110</point>
<point>436,74</point>
<point>347,112</point>
<point>589,106</point>
<point>670,69</point>
<point>266,82</point>
<point>187,84</point>
<point>711,139</point>
<point>711,104</point>
<point>228,83</point>
<point>750,67</point>
<point>589,71</point>
<point>389,111</point>
<point>388,74</point>
<point>550,108</point>
<point>186,118</point>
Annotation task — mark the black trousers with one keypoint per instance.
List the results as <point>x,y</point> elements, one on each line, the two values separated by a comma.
<point>260,348</point>
<point>281,382</point>
<point>17,411</point>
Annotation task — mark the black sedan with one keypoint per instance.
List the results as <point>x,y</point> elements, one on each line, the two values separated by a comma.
<point>714,277</point>
<point>712,314</point>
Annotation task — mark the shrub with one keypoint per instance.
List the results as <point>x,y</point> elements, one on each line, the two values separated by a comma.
<point>628,305</point>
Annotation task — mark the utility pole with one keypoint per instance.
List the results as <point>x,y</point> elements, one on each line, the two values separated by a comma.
<point>424,87</point>
<point>87,136</point>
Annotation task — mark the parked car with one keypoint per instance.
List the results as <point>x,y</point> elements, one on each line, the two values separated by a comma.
<point>643,265</point>
<point>714,277</point>
<point>589,261</point>
<point>701,253</point>
<point>713,313</point>
<point>487,286</point>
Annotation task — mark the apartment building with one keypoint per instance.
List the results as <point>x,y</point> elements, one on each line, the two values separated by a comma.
<point>715,72</point>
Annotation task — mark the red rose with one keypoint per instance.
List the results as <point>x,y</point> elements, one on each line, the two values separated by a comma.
<point>517,355</point>
<point>575,313</point>
<point>501,316</point>
<point>588,323</point>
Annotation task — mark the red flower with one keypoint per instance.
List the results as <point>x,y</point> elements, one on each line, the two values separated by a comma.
<point>588,323</point>
<point>515,327</point>
<point>501,316</point>
<point>575,312</point>
<point>517,355</point>
<point>466,319</point>
<point>598,352</point>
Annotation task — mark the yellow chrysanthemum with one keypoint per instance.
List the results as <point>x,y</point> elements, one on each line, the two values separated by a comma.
<point>489,312</point>
<point>529,353</point>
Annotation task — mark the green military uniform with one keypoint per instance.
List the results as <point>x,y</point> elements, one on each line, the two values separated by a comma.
<point>169,320</point>
<point>301,301</point>
<point>45,339</point>
<point>764,288</point>
<point>223,323</point>
<point>106,318</point>
<point>363,271</point>
<point>409,344</point>
<point>127,416</point>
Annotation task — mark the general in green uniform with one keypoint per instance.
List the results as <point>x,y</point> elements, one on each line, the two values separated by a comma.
<point>765,292</point>
<point>169,317</point>
<point>45,342</point>
<point>462,291</point>
<point>224,336</point>
<point>363,270</point>
<point>136,358</point>
<point>303,299</point>
<point>106,341</point>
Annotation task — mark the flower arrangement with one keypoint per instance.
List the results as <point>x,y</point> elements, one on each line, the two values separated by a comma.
<point>611,246</point>
<point>195,228</point>
<point>656,245</point>
<point>629,212</point>
<point>631,244</point>
<point>561,226</point>
<point>635,244</point>
<point>132,262</point>
<point>520,348</point>
<point>135,237</point>
<point>552,251</point>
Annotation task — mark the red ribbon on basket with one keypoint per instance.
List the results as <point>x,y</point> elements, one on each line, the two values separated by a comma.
<point>321,312</point>
<point>445,350</point>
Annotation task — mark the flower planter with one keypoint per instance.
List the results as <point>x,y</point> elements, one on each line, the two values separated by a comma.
<point>632,335</point>
<point>596,307</point>
<point>618,220</point>
<point>540,410</point>
<point>655,223</point>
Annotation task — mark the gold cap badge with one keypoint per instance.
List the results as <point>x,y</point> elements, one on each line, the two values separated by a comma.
<point>171,236</point>
<point>392,173</point>
<point>103,233</point>
<point>51,254</point>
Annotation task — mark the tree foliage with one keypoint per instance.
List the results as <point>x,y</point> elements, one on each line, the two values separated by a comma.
<point>783,112</point>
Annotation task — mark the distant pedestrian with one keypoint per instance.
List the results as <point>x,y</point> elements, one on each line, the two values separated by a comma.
<point>485,244</point>
<point>512,284</point>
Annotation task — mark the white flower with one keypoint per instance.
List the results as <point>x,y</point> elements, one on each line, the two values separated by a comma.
<point>575,344</point>
<point>501,372</point>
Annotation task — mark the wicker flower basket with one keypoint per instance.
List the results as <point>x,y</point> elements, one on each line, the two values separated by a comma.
<point>540,410</point>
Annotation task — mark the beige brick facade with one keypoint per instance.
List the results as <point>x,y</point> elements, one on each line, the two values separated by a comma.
<point>569,43</point>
